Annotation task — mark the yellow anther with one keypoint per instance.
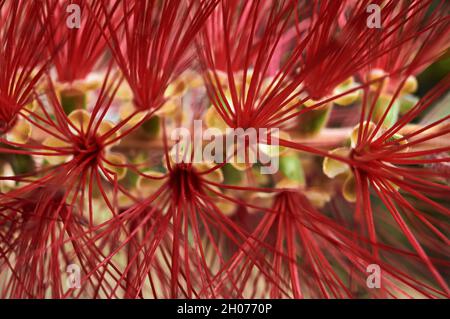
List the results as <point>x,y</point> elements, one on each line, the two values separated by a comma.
<point>222,77</point>
<point>344,87</point>
<point>214,175</point>
<point>287,183</point>
<point>175,89</point>
<point>368,128</point>
<point>274,149</point>
<point>226,207</point>
<point>313,103</point>
<point>72,98</point>
<point>169,108</point>
<point>192,79</point>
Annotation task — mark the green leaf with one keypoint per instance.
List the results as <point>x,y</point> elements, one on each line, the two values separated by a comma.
<point>151,127</point>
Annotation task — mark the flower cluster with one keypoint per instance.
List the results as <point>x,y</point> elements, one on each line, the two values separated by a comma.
<point>91,92</point>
